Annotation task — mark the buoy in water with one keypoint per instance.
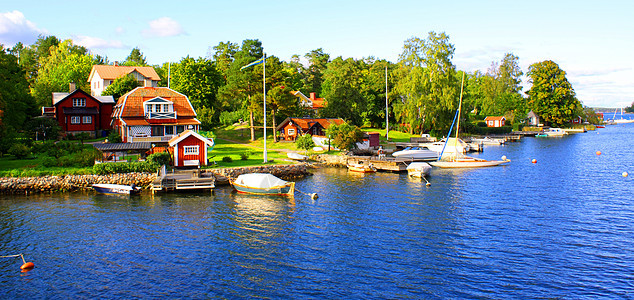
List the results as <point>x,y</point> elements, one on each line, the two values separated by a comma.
<point>314,196</point>
<point>504,157</point>
<point>598,152</point>
<point>625,174</point>
<point>534,161</point>
<point>27,266</point>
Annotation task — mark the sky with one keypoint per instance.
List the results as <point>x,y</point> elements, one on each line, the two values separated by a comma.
<point>593,41</point>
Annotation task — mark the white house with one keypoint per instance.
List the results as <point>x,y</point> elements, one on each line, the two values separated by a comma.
<point>101,76</point>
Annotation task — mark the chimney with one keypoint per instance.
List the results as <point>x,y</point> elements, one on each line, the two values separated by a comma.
<point>71,87</point>
<point>147,82</point>
<point>116,63</point>
<point>312,96</point>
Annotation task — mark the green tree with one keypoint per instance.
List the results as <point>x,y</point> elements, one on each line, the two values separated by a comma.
<point>342,89</point>
<point>317,64</point>
<point>629,109</point>
<point>305,142</point>
<point>135,58</point>
<point>345,136</point>
<point>551,95</point>
<point>66,63</point>
<point>502,89</point>
<point>224,56</point>
<point>203,91</point>
<point>120,86</point>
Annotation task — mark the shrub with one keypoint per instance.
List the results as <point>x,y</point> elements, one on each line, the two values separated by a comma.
<point>114,137</point>
<point>227,159</point>
<point>48,162</point>
<point>245,155</point>
<point>112,168</point>
<point>161,158</point>
<point>482,124</point>
<point>19,150</point>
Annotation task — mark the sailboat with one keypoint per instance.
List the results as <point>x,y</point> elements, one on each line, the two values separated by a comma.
<point>458,160</point>
<point>622,120</point>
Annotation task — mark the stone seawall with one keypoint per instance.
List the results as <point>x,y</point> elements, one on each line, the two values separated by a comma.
<point>45,184</point>
<point>286,172</point>
<point>331,160</point>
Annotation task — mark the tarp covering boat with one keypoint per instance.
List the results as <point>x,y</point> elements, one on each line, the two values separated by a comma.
<point>263,183</point>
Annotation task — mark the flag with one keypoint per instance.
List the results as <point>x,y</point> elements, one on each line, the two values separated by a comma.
<point>257,62</point>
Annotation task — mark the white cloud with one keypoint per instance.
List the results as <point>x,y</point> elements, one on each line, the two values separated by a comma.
<point>119,30</point>
<point>14,27</point>
<point>163,27</point>
<point>96,43</point>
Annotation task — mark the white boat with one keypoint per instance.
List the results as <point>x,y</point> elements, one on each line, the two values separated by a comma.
<point>117,189</point>
<point>449,147</point>
<point>458,160</point>
<point>622,120</point>
<point>555,132</point>
<point>296,156</point>
<point>361,168</point>
<point>489,141</point>
<point>418,169</point>
<point>263,184</point>
<point>417,153</point>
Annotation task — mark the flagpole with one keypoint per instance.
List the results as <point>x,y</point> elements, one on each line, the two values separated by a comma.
<point>264,89</point>
<point>387,121</point>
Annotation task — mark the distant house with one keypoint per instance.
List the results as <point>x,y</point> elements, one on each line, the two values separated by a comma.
<point>77,112</point>
<point>190,149</point>
<point>533,119</point>
<point>153,114</point>
<point>495,121</point>
<point>291,128</point>
<point>101,76</point>
<point>312,103</point>
<point>577,120</point>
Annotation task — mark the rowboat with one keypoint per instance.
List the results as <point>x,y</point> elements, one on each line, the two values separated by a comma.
<point>296,156</point>
<point>361,168</point>
<point>263,184</point>
<point>116,189</point>
<point>418,169</point>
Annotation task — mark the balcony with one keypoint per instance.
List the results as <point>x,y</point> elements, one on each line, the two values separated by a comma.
<point>151,139</point>
<point>160,115</point>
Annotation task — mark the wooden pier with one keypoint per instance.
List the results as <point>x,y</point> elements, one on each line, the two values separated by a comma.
<point>392,164</point>
<point>183,180</point>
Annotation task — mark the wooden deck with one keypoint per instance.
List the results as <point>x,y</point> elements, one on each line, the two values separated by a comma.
<point>384,163</point>
<point>183,180</point>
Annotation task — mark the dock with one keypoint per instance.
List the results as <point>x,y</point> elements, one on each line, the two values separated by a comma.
<point>183,180</point>
<point>392,164</point>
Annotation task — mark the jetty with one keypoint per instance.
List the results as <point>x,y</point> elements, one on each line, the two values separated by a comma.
<point>183,180</point>
<point>392,164</point>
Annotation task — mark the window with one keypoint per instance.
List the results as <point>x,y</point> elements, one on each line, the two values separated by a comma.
<point>75,120</point>
<point>87,120</point>
<point>190,150</point>
<point>291,131</point>
<point>79,102</point>
<point>169,130</point>
<point>180,128</point>
<point>157,130</point>
<point>166,107</point>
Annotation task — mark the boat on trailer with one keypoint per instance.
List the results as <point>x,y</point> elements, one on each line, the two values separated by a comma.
<point>116,189</point>
<point>263,184</point>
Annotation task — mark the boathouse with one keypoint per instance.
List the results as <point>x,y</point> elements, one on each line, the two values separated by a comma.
<point>291,128</point>
<point>495,121</point>
<point>190,149</point>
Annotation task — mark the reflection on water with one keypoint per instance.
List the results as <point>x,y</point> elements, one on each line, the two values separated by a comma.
<point>561,228</point>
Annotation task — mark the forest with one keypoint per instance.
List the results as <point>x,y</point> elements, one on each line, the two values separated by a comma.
<point>423,87</point>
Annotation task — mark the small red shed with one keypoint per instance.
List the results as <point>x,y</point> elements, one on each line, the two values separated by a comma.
<point>495,121</point>
<point>190,149</point>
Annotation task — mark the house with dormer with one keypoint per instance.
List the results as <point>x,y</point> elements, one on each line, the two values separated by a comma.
<point>79,112</point>
<point>311,102</point>
<point>101,76</point>
<point>153,114</point>
<point>291,128</point>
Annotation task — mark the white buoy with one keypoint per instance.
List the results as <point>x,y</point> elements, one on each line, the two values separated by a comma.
<point>314,196</point>
<point>504,157</point>
<point>625,174</point>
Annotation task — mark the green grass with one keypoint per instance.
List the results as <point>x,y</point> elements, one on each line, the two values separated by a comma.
<point>11,167</point>
<point>395,136</point>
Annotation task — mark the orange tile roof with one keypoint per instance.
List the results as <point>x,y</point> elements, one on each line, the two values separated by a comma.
<point>113,72</point>
<point>305,123</point>
<point>494,118</point>
<point>130,105</point>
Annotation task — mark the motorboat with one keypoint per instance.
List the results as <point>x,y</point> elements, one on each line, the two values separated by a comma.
<point>468,162</point>
<point>361,168</point>
<point>417,153</point>
<point>622,120</point>
<point>418,169</point>
<point>263,184</point>
<point>116,189</point>
<point>555,132</point>
<point>449,147</point>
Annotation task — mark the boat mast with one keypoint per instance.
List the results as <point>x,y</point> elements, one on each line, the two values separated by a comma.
<point>459,111</point>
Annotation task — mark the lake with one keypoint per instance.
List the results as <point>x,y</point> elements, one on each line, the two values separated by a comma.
<point>559,228</point>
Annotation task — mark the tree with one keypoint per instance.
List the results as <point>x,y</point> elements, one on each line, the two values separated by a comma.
<point>121,86</point>
<point>344,136</point>
<point>305,142</point>
<point>630,109</point>
<point>224,56</point>
<point>427,84</point>
<point>318,61</point>
<point>135,58</point>
<point>502,90</point>
<point>342,90</point>
<point>66,63</point>
<point>551,95</point>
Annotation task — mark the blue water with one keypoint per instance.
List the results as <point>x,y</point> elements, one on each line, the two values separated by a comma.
<point>560,228</point>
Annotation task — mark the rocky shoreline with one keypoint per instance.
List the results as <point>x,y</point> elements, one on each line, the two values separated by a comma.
<point>69,183</point>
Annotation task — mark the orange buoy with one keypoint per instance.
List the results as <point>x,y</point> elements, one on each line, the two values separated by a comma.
<point>598,152</point>
<point>534,161</point>
<point>27,266</point>
<point>624,174</point>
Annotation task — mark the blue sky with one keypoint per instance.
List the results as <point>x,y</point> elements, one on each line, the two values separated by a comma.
<point>592,41</point>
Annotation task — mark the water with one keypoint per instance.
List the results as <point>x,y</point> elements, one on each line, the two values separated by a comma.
<point>560,228</point>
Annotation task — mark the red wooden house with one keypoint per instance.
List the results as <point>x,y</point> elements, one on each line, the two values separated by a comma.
<point>495,121</point>
<point>78,111</point>
<point>190,149</point>
<point>291,128</point>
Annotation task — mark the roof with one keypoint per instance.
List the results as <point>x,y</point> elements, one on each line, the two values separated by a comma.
<point>122,146</point>
<point>144,122</point>
<point>495,118</point>
<point>306,123</point>
<point>57,97</point>
<point>177,139</point>
<point>313,103</point>
<point>130,105</point>
<point>111,72</point>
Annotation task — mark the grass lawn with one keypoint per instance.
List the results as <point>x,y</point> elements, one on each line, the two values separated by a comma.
<point>395,136</point>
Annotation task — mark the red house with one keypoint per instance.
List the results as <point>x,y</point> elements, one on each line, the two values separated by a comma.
<point>190,149</point>
<point>291,128</point>
<point>78,111</point>
<point>495,121</point>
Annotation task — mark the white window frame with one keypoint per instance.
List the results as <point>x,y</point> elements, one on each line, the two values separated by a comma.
<point>291,131</point>
<point>79,102</point>
<point>75,120</point>
<point>87,120</point>
<point>191,150</point>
